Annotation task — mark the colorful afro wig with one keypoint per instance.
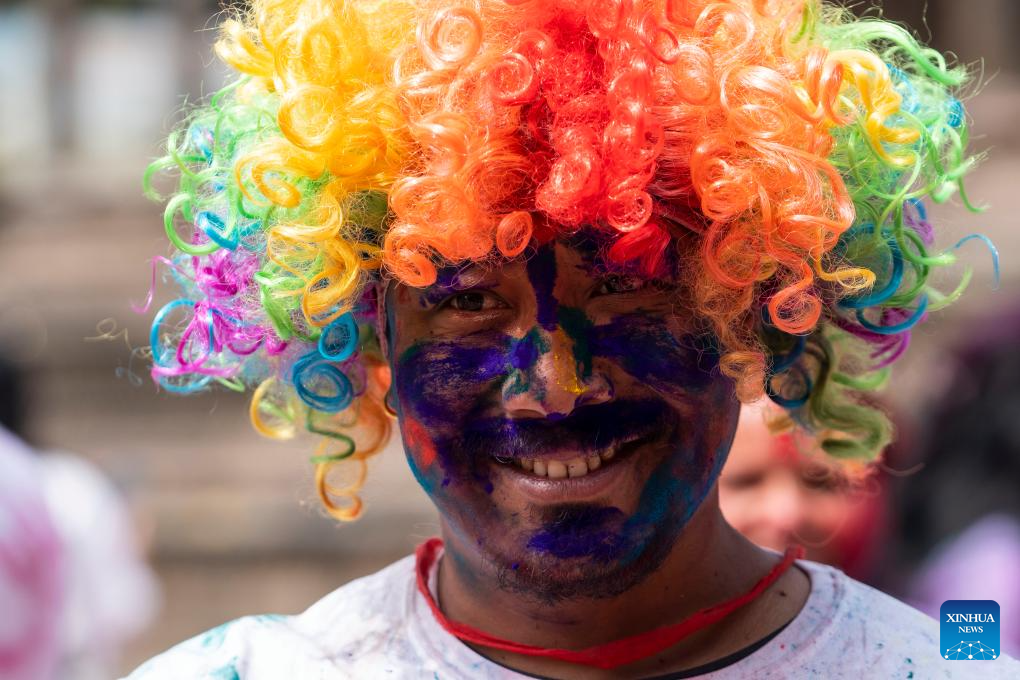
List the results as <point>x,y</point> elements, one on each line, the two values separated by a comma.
<point>792,144</point>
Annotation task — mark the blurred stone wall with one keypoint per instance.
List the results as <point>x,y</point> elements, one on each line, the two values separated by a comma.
<point>230,519</point>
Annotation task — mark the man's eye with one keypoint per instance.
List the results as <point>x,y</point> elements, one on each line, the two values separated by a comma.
<point>473,301</point>
<point>615,284</point>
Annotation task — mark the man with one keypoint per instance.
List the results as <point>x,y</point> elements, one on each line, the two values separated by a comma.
<point>556,241</point>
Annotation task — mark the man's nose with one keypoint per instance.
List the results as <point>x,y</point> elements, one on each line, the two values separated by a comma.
<point>551,376</point>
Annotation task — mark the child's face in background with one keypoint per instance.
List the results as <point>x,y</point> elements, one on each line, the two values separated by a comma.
<point>777,495</point>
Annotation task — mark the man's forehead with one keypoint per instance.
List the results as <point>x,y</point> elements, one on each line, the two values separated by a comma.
<point>584,251</point>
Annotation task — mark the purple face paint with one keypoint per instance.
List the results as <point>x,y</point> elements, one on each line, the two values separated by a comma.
<point>581,531</point>
<point>542,274</point>
<point>525,352</point>
<point>434,376</point>
<point>645,348</point>
<point>438,384</point>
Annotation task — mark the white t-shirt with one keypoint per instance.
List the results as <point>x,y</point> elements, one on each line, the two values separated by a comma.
<point>380,627</point>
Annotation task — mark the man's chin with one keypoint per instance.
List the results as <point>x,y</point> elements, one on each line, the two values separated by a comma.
<point>549,579</point>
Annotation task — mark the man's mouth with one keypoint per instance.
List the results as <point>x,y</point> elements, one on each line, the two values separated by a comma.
<point>558,467</point>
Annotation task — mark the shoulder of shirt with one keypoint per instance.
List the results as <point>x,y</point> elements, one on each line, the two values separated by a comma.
<point>871,632</point>
<point>330,632</point>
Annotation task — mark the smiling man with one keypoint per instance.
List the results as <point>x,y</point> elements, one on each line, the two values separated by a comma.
<point>559,243</point>
<point>570,424</point>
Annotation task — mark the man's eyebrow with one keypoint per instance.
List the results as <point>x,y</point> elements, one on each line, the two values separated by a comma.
<point>598,268</point>
<point>449,279</point>
<point>457,277</point>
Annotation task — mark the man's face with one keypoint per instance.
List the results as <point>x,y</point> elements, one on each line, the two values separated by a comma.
<point>566,422</point>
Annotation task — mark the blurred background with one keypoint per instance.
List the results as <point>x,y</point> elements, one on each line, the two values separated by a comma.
<point>228,520</point>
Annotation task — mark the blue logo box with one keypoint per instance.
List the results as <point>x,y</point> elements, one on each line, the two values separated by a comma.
<point>969,630</point>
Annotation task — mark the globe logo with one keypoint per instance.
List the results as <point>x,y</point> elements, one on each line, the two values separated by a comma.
<point>970,651</point>
<point>969,630</point>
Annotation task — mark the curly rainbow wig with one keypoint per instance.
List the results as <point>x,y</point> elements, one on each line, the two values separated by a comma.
<point>794,145</point>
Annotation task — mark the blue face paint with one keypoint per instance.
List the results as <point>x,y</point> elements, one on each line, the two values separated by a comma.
<point>675,491</point>
<point>637,543</point>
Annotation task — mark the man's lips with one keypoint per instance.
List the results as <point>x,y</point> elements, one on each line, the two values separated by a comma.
<point>567,464</point>
<point>615,467</point>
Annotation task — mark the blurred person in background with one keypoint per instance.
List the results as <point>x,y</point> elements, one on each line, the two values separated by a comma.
<point>74,584</point>
<point>32,569</point>
<point>110,593</point>
<point>779,490</point>
<point>958,518</point>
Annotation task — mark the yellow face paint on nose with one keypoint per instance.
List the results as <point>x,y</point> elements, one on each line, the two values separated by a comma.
<point>565,363</point>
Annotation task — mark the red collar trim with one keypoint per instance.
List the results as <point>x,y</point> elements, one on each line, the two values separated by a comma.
<point>611,654</point>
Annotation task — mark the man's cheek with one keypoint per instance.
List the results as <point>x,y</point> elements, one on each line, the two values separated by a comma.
<point>422,451</point>
<point>439,385</point>
<point>707,439</point>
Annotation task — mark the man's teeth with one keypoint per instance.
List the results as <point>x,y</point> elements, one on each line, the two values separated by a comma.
<point>556,469</point>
